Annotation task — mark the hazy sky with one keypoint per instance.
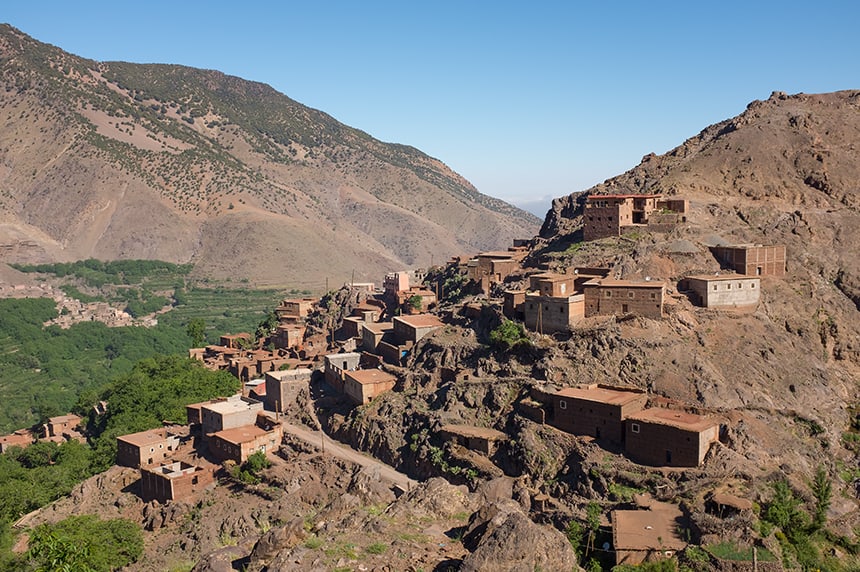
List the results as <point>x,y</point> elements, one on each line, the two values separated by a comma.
<point>526,100</point>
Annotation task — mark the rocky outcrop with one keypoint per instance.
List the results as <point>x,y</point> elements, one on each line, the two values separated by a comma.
<point>507,541</point>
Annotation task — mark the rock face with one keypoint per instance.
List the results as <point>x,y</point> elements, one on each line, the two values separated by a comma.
<point>157,161</point>
<point>513,543</point>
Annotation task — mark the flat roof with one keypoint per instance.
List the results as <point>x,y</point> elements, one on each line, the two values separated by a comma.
<point>500,254</point>
<point>627,196</point>
<point>647,529</point>
<point>145,438</point>
<point>472,431</point>
<point>239,435</point>
<point>722,277</point>
<point>370,376</point>
<point>421,320</point>
<point>379,327</point>
<point>288,373</point>
<point>602,395</point>
<point>233,405</point>
<point>612,283</point>
<point>673,418</point>
<point>64,419</point>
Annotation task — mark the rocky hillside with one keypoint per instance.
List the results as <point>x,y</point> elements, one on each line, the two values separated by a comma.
<point>117,160</point>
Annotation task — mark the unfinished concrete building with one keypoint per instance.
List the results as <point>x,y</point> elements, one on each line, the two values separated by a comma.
<point>723,290</point>
<point>752,259</point>
<point>174,481</point>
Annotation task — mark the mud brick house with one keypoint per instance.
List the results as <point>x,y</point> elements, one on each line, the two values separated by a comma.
<point>294,309</point>
<point>550,314</point>
<point>336,365</point>
<point>551,284</point>
<point>647,535</point>
<point>605,296</point>
<point>595,410</point>
<point>493,267</point>
<point>364,385</point>
<point>239,443</point>
<point>288,336</point>
<point>752,259</point>
<point>724,290</point>
<point>236,341</point>
<point>63,427</point>
<point>174,481</point>
<point>351,327</point>
<point>20,438</point>
<point>228,413</point>
<point>512,304</point>
<point>283,387</point>
<point>666,437</point>
<point>480,439</point>
<point>605,214</point>
<point>395,282</point>
<point>427,299</point>
<point>373,333</point>
<point>611,215</point>
<point>148,448</point>
<point>413,328</point>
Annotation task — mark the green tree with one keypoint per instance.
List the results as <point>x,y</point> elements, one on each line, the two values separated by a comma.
<point>822,490</point>
<point>508,334</point>
<point>86,543</point>
<point>416,302</point>
<point>196,330</point>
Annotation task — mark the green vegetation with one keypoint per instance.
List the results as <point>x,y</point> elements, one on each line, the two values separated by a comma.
<point>84,543</point>
<point>376,548</point>
<point>249,471</point>
<point>732,551</point>
<point>50,371</point>
<point>508,335</point>
<point>415,302</point>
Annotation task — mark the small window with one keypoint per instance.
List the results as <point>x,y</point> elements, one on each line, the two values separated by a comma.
<point>630,294</point>
<point>561,309</point>
<point>729,286</point>
<point>752,285</point>
<point>634,427</point>
<point>608,294</point>
<point>562,404</point>
<point>653,295</point>
<point>715,287</point>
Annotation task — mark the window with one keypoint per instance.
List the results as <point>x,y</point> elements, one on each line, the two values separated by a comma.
<point>729,286</point>
<point>715,287</point>
<point>630,294</point>
<point>634,428</point>
<point>752,285</point>
<point>561,309</point>
<point>562,404</point>
<point>653,295</point>
<point>607,294</point>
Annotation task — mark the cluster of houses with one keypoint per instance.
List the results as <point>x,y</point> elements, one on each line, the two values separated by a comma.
<point>56,430</point>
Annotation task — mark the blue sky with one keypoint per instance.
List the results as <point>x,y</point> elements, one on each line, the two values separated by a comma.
<point>526,100</point>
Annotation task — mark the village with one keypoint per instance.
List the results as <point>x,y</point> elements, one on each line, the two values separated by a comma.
<point>357,357</point>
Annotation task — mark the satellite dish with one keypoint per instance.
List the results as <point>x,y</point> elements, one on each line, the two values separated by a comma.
<point>606,546</point>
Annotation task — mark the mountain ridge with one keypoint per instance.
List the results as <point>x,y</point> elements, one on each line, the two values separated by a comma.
<point>151,154</point>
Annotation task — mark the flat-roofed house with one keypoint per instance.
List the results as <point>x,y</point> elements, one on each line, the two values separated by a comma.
<point>20,438</point>
<point>550,314</point>
<point>283,387</point>
<point>238,443</point>
<point>234,411</point>
<point>364,385</point>
<point>752,259</point>
<point>413,328</point>
<point>372,334</point>
<point>725,290</point>
<point>666,437</point>
<point>596,411</point>
<point>607,297</point>
<point>338,364</point>
<point>174,481</point>
<point>147,448</point>
<point>647,535</point>
<point>480,439</point>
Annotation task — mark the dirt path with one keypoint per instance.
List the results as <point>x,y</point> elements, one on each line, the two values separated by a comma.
<point>321,441</point>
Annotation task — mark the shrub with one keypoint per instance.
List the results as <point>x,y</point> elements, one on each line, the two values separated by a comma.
<point>508,335</point>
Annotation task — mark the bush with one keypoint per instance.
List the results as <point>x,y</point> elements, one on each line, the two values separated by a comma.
<point>508,335</point>
<point>86,543</point>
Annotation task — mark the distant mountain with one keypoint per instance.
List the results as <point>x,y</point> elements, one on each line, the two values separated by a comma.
<point>118,160</point>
